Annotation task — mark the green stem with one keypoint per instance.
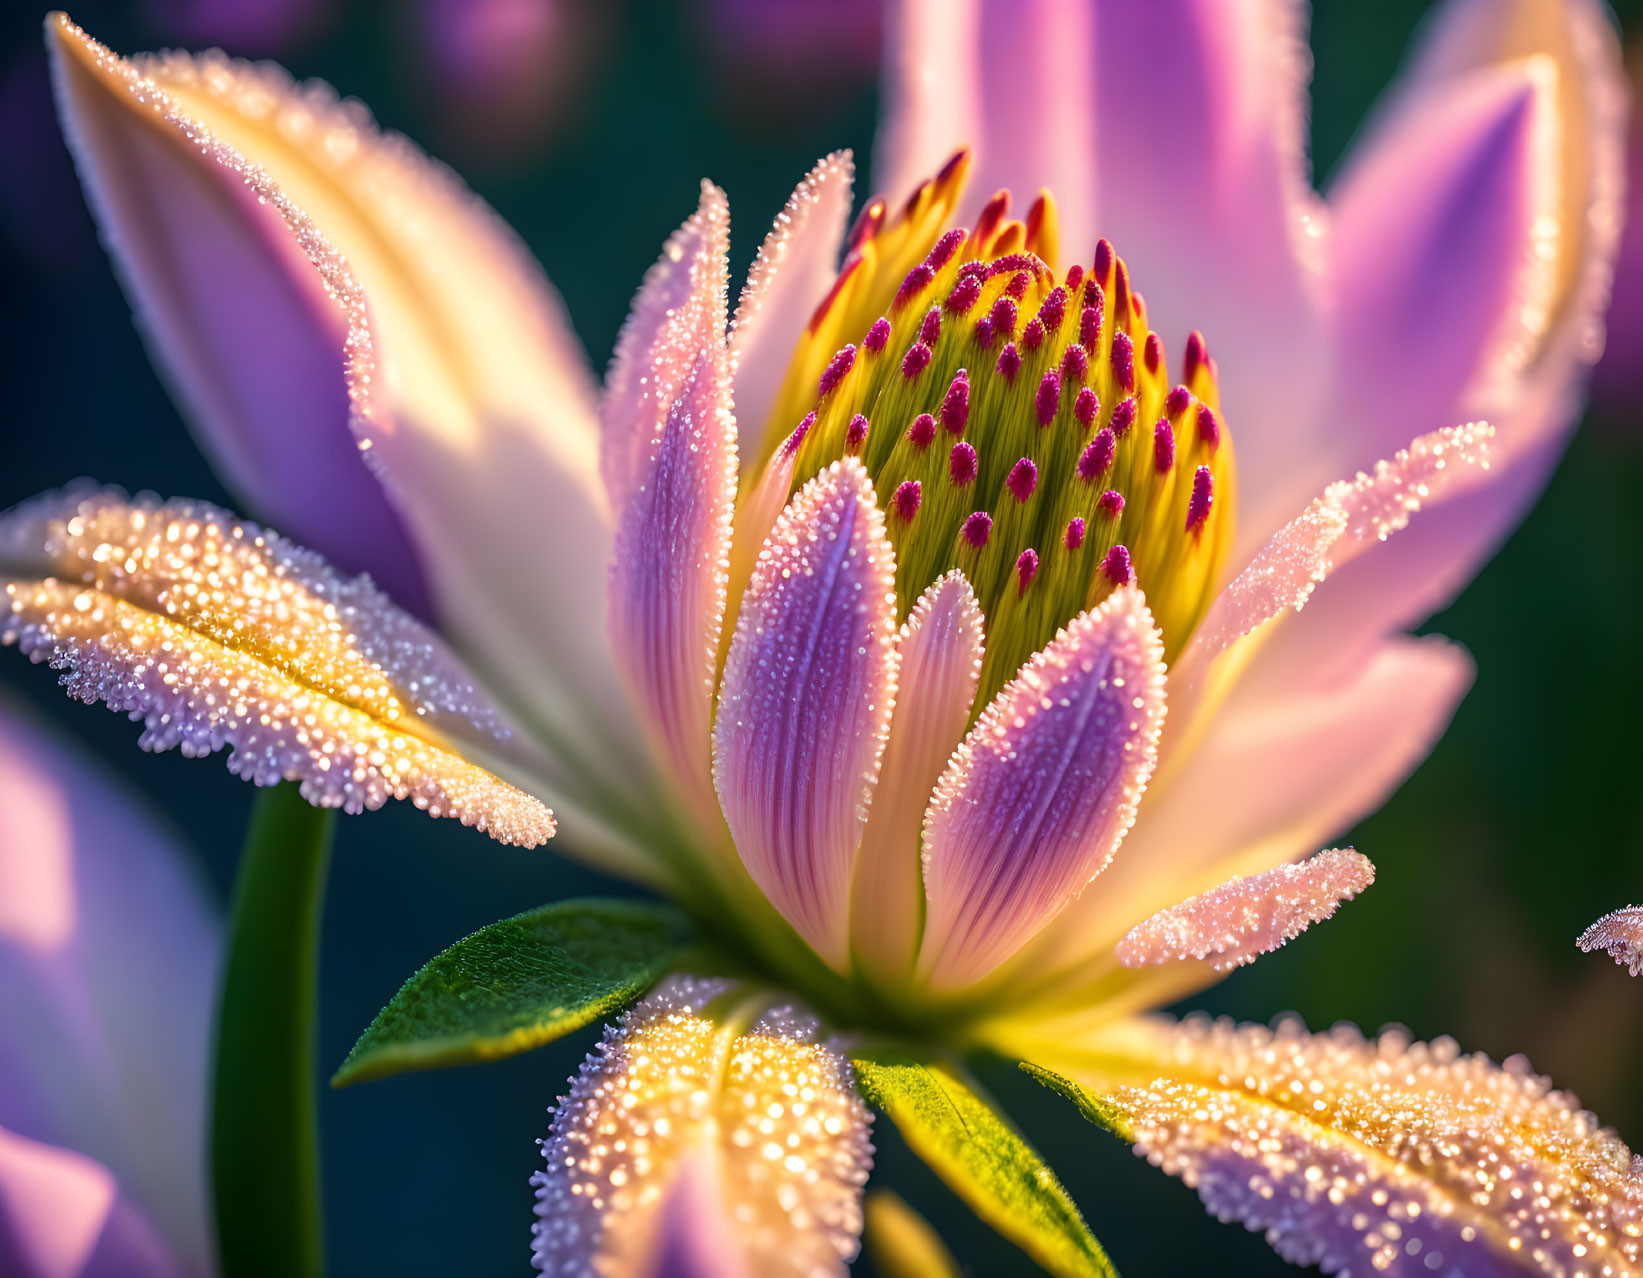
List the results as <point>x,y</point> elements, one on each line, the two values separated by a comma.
<point>264,1131</point>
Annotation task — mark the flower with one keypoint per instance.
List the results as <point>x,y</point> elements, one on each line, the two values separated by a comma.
<point>1619,934</point>
<point>851,621</point>
<point>108,971</point>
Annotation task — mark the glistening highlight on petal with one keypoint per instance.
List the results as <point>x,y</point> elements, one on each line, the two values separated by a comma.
<point>1245,918</point>
<point>1381,1157</point>
<point>216,633</point>
<point>805,705</point>
<point>1043,790</point>
<point>753,1100</point>
<point>1620,936</point>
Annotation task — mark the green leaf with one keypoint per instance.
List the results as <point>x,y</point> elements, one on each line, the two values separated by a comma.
<point>264,1129</point>
<point>518,984</point>
<point>984,1161</point>
<point>1100,1111</point>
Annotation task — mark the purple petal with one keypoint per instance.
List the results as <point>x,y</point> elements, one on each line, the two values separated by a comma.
<point>795,267</point>
<point>678,313</point>
<point>1443,251</point>
<point>1043,790</point>
<point>941,651</point>
<point>108,968</point>
<point>62,1216</point>
<point>805,704</point>
<point>215,633</point>
<point>667,583</point>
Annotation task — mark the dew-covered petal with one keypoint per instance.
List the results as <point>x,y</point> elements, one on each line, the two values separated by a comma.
<point>975,73</point>
<point>1271,779</point>
<point>1443,252</point>
<point>793,271</point>
<point>109,948</point>
<point>1370,1157</point>
<point>668,576</point>
<point>941,650</point>
<point>216,633</point>
<point>1040,794</point>
<point>1244,918</point>
<point>460,377</point>
<point>1619,935</point>
<point>63,1216</point>
<point>678,313</point>
<point>678,1115</point>
<point>805,705</point>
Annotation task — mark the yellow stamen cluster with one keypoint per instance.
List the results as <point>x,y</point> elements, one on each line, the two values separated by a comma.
<point>1017,425</point>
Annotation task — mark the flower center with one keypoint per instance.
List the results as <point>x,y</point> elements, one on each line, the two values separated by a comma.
<point>1017,426</point>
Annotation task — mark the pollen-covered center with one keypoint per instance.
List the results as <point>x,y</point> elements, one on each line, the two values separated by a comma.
<point>1018,425</point>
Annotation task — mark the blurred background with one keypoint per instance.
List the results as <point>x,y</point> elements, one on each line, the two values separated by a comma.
<point>588,123</point>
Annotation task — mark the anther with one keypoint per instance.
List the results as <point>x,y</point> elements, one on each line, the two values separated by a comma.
<point>945,247</point>
<point>1103,258</point>
<point>1097,457</point>
<point>1026,568</point>
<point>1153,353</point>
<point>918,279</point>
<point>855,434</point>
<point>1023,479</point>
<point>929,332</point>
<point>1032,337</point>
<point>1123,361</point>
<point>977,528</point>
<point>1075,364</point>
<point>1116,566</point>
<point>1003,316</point>
<point>797,437</point>
<point>1054,309</point>
<point>1175,403</point>
<point>1086,406</point>
<point>962,465</point>
<point>1123,417</point>
<point>1009,362</point>
<point>1073,538</point>
<point>836,370</point>
<point>984,333</point>
<point>906,500</point>
<point>1163,447</point>
<point>878,336</point>
<point>1017,287</point>
<point>1049,397</point>
<point>915,361</point>
<point>1075,277</point>
<point>1203,497</point>
<point>1089,322</point>
<point>1195,355</point>
<point>922,433</point>
<point>1209,429</point>
<point>1111,505</point>
<point>955,405</point>
<point>966,293</point>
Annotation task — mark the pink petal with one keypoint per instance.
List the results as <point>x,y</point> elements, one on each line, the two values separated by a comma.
<point>678,313</point>
<point>1443,249</point>
<point>696,1235</point>
<point>1244,918</point>
<point>61,1217</point>
<point>941,651</point>
<point>1043,790</point>
<point>667,582</point>
<point>464,385</point>
<point>795,267</point>
<point>805,706</point>
<point>1013,84</point>
<point>1270,779</point>
<point>108,970</point>
<point>235,315</point>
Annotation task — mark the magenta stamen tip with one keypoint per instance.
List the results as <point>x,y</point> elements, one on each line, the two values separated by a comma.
<point>855,434</point>
<point>1111,504</point>
<point>1103,258</point>
<point>945,247</point>
<point>1075,277</point>
<point>906,500</point>
<point>1089,324</point>
<point>929,332</point>
<point>984,333</point>
<point>1054,309</point>
<point>1032,337</point>
<point>1116,566</point>
<point>962,465</point>
<point>836,371</point>
<point>955,405</point>
<point>915,361</point>
<point>1123,361</point>
<point>878,337</point>
<point>1003,315</point>
<point>966,293</point>
<point>1203,497</point>
<point>797,437</point>
<point>918,279</point>
<point>1195,356</point>
<point>1163,447</point>
<point>1017,287</point>
<point>1209,429</point>
<point>1009,362</point>
<point>1123,417</point>
<point>1175,403</point>
<point>1086,407</point>
<point>1073,538</point>
<point>1023,479</point>
<point>1026,568</point>
<point>1075,364</point>
<point>1097,456</point>
<point>1049,397</point>
<point>977,528</point>
<point>922,433</point>
<point>1153,353</point>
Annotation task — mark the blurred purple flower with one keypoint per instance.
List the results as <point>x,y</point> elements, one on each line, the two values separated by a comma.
<point>250,28</point>
<point>790,57</point>
<point>108,959</point>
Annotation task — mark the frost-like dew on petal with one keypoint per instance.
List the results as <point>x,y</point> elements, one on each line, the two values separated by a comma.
<point>1040,794</point>
<point>1383,1157</point>
<point>1620,936</point>
<point>216,633</point>
<point>671,1093</point>
<point>809,683</point>
<point>1247,917</point>
<point>678,313</point>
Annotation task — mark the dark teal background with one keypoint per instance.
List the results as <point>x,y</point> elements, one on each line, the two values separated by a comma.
<point>1525,824</point>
